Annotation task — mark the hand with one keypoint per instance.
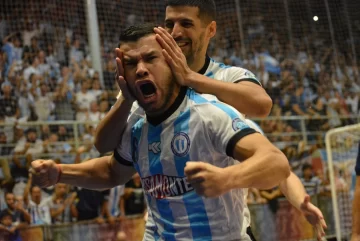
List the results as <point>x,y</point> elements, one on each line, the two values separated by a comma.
<point>314,216</point>
<point>120,78</point>
<point>207,180</point>
<point>174,56</point>
<point>45,173</point>
<point>111,220</point>
<point>69,201</point>
<point>99,220</point>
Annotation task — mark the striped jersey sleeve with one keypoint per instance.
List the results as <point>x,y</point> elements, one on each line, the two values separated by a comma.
<point>226,125</point>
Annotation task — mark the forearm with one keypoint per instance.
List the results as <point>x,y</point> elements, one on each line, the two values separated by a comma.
<point>248,98</point>
<point>92,174</point>
<point>262,171</point>
<point>293,190</point>
<point>356,210</point>
<point>109,130</point>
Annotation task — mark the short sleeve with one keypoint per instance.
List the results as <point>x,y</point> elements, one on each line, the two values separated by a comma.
<point>226,126</point>
<point>237,74</point>
<point>357,166</point>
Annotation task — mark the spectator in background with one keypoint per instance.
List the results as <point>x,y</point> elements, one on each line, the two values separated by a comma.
<point>75,52</point>
<point>9,109</point>
<point>36,206</point>
<point>32,69</point>
<point>10,231</point>
<point>43,103</point>
<point>18,213</point>
<point>83,100</point>
<point>62,205</point>
<point>310,182</point>
<point>113,211</point>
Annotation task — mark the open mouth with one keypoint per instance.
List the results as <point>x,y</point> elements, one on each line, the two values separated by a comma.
<point>182,44</point>
<point>148,89</point>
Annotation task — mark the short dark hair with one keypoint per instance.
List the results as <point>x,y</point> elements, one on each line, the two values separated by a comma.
<point>207,8</point>
<point>136,32</point>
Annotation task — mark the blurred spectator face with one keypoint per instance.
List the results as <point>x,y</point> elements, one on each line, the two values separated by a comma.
<point>60,189</point>
<point>94,106</point>
<point>62,130</point>
<point>36,61</point>
<point>44,89</point>
<point>3,139</point>
<point>10,200</point>
<point>76,43</point>
<point>65,71</point>
<point>84,86</point>
<point>6,220</point>
<point>17,42</point>
<point>42,56</point>
<point>96,85</point>
<point>104,106</point>
<point>193,40</point>
<point>31,136</point>
<point>307,172</point>
<point>6,89</point>
<point>36,195</point>
<point>34,42</point>
<point>96,76</point>
<point>19,200</point>
<point>53,138</point>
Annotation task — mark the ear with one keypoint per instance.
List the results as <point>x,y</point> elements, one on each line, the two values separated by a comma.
<point>212,29</point>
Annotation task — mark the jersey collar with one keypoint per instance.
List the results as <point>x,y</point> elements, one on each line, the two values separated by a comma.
<point>206,65</point>
<point>159,119</point>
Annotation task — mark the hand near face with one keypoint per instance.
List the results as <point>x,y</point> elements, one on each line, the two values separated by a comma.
<point>174,56</point>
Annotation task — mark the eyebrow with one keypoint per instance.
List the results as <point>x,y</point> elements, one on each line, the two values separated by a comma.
<point>146,54</point>
<point>179,19</point>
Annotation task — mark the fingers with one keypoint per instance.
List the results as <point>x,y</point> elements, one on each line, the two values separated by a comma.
<point>38,166</point>
<point>119,64</point>
<point>164,34</point>
<point>306,199</point>
<point>166,40</point>
<point>192,168</point>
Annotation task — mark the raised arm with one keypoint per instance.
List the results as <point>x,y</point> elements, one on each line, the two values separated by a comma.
<point>261,166</point>
<point>255,102</point>
<point>97,174</point>
<point>108,132</point>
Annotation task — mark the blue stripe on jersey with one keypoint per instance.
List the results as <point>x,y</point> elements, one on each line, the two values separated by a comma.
<point>194,204</point>
<point>155,166</point>
<point>197,98</point>
<point>114,203</point>
<point>227,109</point>
<point>135,137</point>
<point>210,74</point>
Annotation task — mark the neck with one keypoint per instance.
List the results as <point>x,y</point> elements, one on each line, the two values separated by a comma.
<point>196,66</point>
<point>173,104</point>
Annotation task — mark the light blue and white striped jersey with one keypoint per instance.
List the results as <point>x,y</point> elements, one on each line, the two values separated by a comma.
<point>195,128</point>
<point>114,200</point>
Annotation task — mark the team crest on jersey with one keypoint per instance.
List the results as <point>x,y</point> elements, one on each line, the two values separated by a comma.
<point>134,151</point>
<point>238,124</point>
<point>180,144</point>
<point>161,186</point>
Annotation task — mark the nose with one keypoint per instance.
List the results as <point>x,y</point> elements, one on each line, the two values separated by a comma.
<point>141,70</point>
<point>177,31</point>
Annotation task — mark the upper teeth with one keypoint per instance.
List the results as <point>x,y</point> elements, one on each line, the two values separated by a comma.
<point>181,44</point>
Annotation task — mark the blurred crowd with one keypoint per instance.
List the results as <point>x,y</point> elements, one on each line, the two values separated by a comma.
<point>46,74</point>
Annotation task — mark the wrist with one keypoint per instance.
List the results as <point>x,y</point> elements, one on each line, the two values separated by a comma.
<point>229,178</point>
<point>191,80</point>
